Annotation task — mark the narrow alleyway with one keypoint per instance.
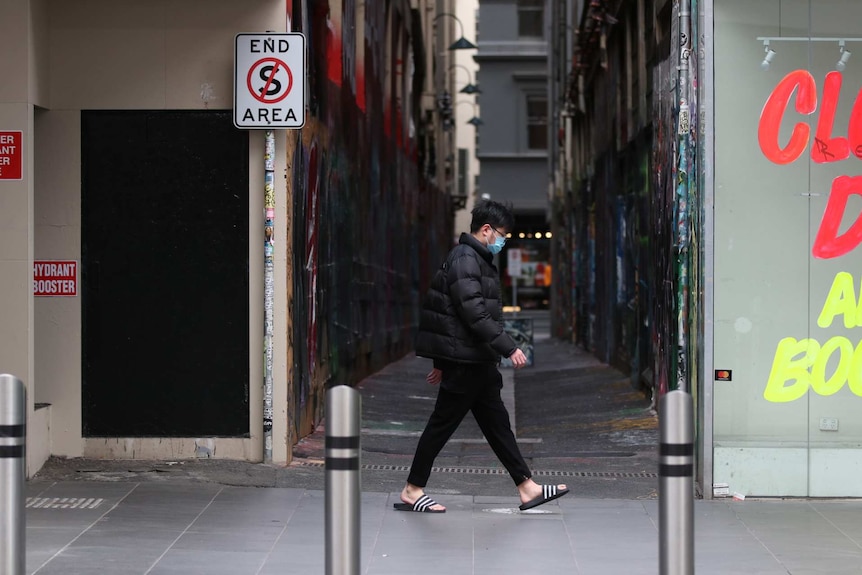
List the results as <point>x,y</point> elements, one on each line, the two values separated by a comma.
<point>577,421</point>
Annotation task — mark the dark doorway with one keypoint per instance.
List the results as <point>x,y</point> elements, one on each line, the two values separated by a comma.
<point>165,274</point>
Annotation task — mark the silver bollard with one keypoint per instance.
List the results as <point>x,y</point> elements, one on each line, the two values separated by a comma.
<point>676,484</point>
<point>343,414</point>
<point>13,421</point>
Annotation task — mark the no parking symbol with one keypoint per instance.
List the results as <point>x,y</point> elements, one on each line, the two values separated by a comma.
<point>269,81</point>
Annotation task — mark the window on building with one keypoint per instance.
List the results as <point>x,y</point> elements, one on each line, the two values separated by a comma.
<point>531,16</point>
<point>537,122</point>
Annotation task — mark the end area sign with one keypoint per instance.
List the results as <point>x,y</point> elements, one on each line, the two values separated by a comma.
<point>269,81</point>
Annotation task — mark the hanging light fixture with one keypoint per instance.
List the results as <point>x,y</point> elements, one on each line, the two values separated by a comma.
<point>461,43</point>
<point>845,56</point>
<point>769,57</point>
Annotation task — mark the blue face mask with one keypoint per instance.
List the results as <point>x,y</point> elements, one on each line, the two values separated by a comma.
<point>497,246</point>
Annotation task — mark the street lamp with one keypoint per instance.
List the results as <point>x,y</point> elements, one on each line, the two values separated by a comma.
<point>475,120</point>
<point>470,88</point>
<point>461,43</point>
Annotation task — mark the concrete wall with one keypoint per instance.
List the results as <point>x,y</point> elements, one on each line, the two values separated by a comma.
<point>22,86</point>
<point>109,54</point>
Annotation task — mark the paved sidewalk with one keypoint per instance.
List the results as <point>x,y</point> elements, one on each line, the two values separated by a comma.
<point>577,421</point>
<point>155,528</point>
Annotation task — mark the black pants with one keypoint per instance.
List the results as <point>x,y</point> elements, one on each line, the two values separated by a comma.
<point>476,388</point>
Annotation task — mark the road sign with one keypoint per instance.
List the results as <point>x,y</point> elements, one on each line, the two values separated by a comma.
<point>11,154</point>
<point>269,81</point>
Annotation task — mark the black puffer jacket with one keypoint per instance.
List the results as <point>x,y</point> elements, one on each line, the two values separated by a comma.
<point>461,317</point>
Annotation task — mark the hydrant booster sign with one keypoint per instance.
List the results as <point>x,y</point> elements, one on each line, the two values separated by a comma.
<point>55,278</point>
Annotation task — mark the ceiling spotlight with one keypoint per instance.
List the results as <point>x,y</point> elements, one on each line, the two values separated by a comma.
<point>845,55</point>
<point>770,55</point>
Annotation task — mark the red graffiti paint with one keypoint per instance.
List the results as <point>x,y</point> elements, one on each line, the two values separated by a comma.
<point>334,55</point>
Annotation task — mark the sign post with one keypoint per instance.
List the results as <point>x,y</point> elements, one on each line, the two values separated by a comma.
<point>269,93</point>
<point>513,266</point>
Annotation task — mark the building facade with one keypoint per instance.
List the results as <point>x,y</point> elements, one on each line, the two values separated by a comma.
<point>709,222</point>
<point>172,286</point>
<point>468,116</point>
<point>514,137</point>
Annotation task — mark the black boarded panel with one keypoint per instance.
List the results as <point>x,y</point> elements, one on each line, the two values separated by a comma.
<point>164,274</point>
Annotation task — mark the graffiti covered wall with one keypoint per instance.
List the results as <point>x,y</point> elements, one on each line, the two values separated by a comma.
<point>632,222</point>
<point>366,226</point>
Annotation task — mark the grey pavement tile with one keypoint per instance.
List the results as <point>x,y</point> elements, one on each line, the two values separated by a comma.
<point>611,565</point>
<point>434,560</point>
<point>846,516</point>
<point>209,562</point>
<point>739,564</point>
<point>101,560</point>
<point>63,518</point>
<point>520,535</point>
<point>45,542</point>
<point>300,562</point>
<point>238,540</point>
<point>526,561</point>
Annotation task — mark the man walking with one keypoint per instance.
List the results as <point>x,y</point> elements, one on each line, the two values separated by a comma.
<point>461,329</point>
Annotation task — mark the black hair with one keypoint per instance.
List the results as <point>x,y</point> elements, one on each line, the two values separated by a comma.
<point>494,213</point>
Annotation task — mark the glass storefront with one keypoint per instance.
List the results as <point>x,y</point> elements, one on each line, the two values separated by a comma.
<point>787,259</point>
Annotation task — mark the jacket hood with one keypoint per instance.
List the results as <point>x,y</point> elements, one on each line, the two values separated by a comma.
<point>481,249</point>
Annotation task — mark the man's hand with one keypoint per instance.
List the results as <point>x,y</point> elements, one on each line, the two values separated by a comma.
<point>518,359</point>
<point>434,377</point>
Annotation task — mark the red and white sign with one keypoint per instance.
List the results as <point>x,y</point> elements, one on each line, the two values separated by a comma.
<point>11,155</point>
<point>269,81</point>
<point>55,278</point>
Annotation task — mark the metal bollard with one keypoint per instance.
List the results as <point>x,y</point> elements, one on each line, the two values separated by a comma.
<point>343,414</point>
<point>676,484</point>
<point>13,420</point>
